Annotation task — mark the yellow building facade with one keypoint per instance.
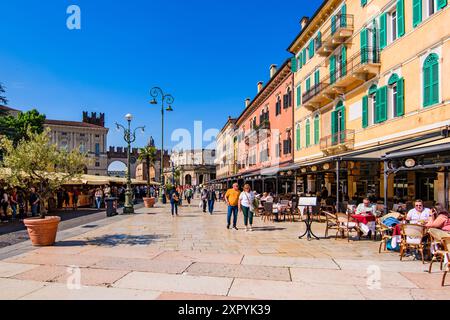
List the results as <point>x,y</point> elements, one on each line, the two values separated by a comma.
<point>371,79</point>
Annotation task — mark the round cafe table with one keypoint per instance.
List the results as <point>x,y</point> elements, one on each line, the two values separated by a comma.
<point>364,218</point>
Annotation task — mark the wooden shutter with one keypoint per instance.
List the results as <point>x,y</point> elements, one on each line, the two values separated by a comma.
<point>442,4</point>
<point>311,49</point>
<point>304,56</point>
<point>344,16</point>
<point>332,69</point>
<point>308,84</point>
<point>434,82</point>
<point>293,64</point>
<point>381,109</point>
<point>334,126</point>
<point>400,111</point>
<point>298,138</point>
<point>316,130</point>
<point>363,3</point>
<point>299,93</point>
<point>365,112</point>
<point>308,133</point>
<point>383,31</point>
<point>317,78</point>
<point>417,12</point>
<point>333,24</point>
<point>426,86</point>
<point>400,18</point>
<point>364,49</point>
<point>344,60</point>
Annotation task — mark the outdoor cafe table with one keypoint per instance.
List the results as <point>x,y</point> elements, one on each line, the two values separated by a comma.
<point>364,218</point>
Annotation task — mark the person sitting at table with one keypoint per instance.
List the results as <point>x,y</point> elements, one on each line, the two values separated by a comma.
<point>366,207</point>
<point>266,197</point>
<point>419,214</point>
<point>440,219</point>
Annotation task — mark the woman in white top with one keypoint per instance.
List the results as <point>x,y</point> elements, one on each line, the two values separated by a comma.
<point>246,200</point>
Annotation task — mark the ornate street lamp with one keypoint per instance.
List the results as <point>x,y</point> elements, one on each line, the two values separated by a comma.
<point>166,99</point>
<point>129,138</point>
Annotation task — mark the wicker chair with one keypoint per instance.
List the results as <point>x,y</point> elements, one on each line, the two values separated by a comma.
<point>346,224</point>
<point>446,247</point>
<point>331,222</point>
<point>412,236</point>
<point>267,214</point>
<point>436,236</point>
<point>292,211</point>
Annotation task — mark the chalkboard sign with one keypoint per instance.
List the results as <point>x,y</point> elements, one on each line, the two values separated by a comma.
<point>307,201</point>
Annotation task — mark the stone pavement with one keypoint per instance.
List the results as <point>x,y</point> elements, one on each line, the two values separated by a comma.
<point>152,255</point>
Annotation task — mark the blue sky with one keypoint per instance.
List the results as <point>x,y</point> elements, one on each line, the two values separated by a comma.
<point>208,54</point>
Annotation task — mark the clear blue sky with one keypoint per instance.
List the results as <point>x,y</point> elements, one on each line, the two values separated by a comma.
<point>208,54</point>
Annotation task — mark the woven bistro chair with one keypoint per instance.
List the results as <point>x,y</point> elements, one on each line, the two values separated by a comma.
<point>267,214</point>
<point>412,236</point>
<point>292,210</point>
<point>446,247</point>
<point>346,224</point>
<point>332,222</point>
<point>436,236</point>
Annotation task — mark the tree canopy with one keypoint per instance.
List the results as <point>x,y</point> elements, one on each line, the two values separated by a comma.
<point>3,99</point>
<point>17,128</point>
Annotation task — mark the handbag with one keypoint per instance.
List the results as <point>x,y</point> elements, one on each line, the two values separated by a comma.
<point>252,205</point>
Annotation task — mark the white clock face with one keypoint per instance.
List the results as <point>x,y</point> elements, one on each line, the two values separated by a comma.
<point>410,163</point>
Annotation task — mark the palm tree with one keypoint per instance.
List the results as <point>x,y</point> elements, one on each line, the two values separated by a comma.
<point>148,154</point>
<point>3,99</point>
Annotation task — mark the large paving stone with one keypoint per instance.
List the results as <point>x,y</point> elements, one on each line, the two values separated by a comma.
<point>11,269</point>
<point>144,265</point>
<point>425,280</point>
<point>279,290</point>
<point>197,256</point>
<point>94,277</point>
<point>124,252</point>
<point>43,273</point>
<point>191,296</point>
<point>62,292</point>
<point>12,289</point>
<point>56,259</point>
<point>239,271</point>
<point>351,277</point>
<point>293,262</point>
<point>175,283</point>
<point>387,266</point>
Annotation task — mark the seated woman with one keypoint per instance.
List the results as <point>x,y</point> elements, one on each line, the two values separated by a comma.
<point>440,219</point>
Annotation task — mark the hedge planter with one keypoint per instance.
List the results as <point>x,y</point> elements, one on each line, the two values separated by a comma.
<point>42,232</point>
<point>149,202</point>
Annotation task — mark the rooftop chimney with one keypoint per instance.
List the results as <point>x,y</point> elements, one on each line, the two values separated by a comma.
<point>260,86</point>
<point>247,102</point>
<point>273,70</point>
<point>304,22</point>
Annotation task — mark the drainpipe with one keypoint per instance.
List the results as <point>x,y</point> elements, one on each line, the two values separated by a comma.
<point>386,178</point>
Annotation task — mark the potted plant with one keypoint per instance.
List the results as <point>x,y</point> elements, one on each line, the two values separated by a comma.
<point>36,164</point>
<point>148,154</point>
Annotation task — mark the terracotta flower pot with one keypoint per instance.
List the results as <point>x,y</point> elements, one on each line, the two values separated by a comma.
<point>42,232</point>
<point>149,202</point>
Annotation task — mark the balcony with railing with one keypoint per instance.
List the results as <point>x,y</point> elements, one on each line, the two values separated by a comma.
<point>361,67</point>
<point>338,142</point>
<point>340,29</point>
<point>314,98</point>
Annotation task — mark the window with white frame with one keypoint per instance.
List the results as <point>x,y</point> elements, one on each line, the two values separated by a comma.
<point>372,105</point>
<point>392,104</point>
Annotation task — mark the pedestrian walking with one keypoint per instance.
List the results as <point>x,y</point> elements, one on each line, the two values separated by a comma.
<point>76,193</point>
<point>212,198</point>
<point>174,200</point>
<point>66,197</point>
<point>22,205</point>
<point>4,204</point>
<point>246,205</point>
<point>13,203</point>
<point>188,194</point>
<point>204,197</point>
<point>232,200</point>
<point>34,202</point>
<point>98,198</point>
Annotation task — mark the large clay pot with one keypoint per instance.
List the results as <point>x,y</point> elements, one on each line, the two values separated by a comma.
<point>149,202</point>
<point>42,232</point>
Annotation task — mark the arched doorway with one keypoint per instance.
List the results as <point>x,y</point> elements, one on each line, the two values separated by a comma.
<point>200,179</point>
<point>117,169</point>
<point>188,179</point>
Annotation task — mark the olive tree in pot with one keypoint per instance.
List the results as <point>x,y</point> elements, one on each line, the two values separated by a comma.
<point>148,155</point>
<point>38,163</point>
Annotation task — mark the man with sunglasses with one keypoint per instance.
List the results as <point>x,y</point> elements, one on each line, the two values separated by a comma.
<point>418,215</point>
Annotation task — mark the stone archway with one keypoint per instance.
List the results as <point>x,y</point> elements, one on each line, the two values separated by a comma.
<point>188,180</point>
<point>120,154</point>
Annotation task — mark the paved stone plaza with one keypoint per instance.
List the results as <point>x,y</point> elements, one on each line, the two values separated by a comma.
<point>154,256</point>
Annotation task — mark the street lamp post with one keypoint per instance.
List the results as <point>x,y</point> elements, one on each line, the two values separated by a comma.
<point>129,138</point>
<point>166,99</point>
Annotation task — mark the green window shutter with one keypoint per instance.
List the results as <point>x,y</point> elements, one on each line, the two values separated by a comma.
<point>308,133</point>
<point>426,86</point>
<point>364,49</point>
<point>334,126</point>
<point>400,18</point>
<point>333,24</point>
<point>311,49</point>
<point>431,80</point>
<point>400,111</point>
<point>316,78</point>
<point>308,84</point>
<point>299,95</point>
<point>435,83</point>
<point>293,64</point>
<point>304,56</point>
<point>344,60</point>
<point>442,4</point>
<point>319,40</point>
<point>344,16</point>
<point>383,29</point>
<point>417,12</point>
<point>332,69</point>
<point>363,3</point>
<point>316,130</point>
<point>299,146</point>
<point>381,110</point>
<point>300,60</point>
<point>365,112</point>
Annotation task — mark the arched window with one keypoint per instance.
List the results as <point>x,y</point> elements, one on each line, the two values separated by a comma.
<point>396,102</point>
<point>298,137</point>
<point>431,80</point>
<point>316,129</point>
<point>308,133</point>
<point>338,123</point>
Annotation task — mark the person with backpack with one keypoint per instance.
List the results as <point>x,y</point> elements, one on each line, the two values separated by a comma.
<point>174,201</point>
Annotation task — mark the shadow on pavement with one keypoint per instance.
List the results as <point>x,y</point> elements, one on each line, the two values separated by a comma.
<point>113,240</point>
